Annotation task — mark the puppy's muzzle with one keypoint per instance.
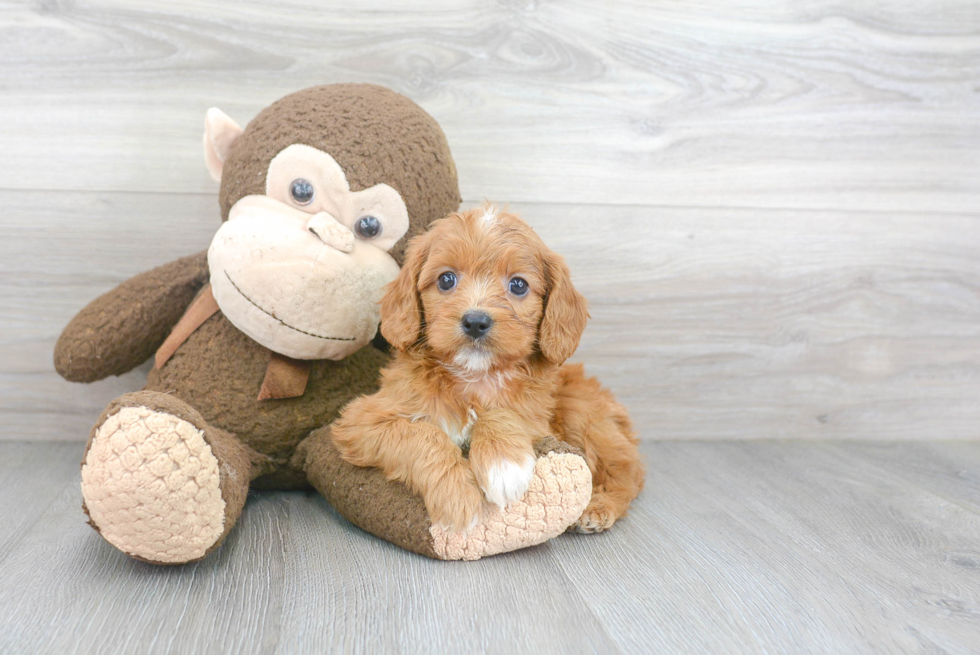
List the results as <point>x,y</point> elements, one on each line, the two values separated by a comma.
<point>476,324</point>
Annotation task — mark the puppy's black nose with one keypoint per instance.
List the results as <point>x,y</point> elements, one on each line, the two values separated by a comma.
<point>476,324</point>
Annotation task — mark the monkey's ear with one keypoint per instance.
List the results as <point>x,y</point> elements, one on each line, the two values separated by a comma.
<point>401,306</point>
<point>565,313</point>
<point>220,133</point>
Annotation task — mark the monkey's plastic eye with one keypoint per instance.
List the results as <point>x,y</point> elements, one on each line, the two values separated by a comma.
<point>519,286</point>
<point>302,191</point>
<point>447,281</point>
<point>367,227</point>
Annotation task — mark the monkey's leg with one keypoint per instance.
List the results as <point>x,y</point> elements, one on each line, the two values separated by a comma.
<point>558,493</point>
<point>159,483</point>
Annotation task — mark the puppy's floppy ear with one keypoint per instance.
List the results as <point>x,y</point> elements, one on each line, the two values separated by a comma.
<point>401,306</point>
<point>565,312</point>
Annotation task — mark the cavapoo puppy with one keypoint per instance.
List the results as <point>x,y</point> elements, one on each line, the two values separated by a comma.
<point>483,315</point>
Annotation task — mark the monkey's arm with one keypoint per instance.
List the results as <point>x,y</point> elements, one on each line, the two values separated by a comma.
<point>121,329</point>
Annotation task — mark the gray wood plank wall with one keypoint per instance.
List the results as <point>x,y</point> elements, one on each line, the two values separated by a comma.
<point>772,206</point>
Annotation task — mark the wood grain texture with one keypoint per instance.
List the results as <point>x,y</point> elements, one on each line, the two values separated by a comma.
<point>762,547</point>
<point>771,206</point>
<point>707,323</point>
<point>816,104</point>
<point>792,547</point>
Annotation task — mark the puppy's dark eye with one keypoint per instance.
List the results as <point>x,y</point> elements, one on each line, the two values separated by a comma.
<point>302,191</point>
<point>367,227</point>
<point>518,286</point>
<point>446,281</point>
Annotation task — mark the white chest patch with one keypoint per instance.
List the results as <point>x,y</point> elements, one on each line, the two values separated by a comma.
<point>459,434</point>
<point>471,362</point>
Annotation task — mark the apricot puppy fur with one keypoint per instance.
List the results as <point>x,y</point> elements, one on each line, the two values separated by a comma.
<point>483,315</point>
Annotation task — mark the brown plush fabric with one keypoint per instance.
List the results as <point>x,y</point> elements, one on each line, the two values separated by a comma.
<point>368,500</point>
<point>376,135</point>
<point>285,377</point>
<point>121,329</point>
<point>234,458</point>
<point>219,371</point>
<point>553,445</point>
<point>201,309</point>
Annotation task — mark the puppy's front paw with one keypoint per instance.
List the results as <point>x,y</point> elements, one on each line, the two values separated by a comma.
<point>505,481</point>
<point>455,502</point>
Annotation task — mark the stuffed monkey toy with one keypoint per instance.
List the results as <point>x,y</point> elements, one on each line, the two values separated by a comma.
<point>260,341</point>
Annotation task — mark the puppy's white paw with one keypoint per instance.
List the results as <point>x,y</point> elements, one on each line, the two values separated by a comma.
<point>507,481</point>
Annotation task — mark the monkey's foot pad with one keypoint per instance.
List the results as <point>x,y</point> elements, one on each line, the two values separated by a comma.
<point>558,494</point>
<point>151,486</point>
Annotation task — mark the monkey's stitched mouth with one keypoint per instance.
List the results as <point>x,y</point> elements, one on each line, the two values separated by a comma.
<point>279,320</point>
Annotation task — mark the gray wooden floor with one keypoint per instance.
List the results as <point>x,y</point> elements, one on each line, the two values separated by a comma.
<point>735,547</point>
